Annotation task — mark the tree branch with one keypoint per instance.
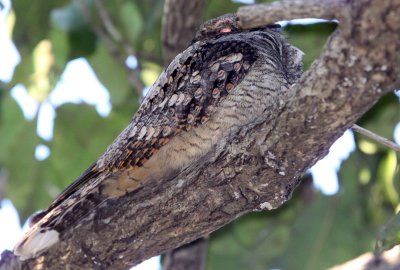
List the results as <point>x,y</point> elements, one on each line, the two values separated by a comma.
<point>263,14</point>
<point>255,168</point>
<point>376,137</point>
<point>111,38</point>
<point>180,21</point>
<point>108,23</point>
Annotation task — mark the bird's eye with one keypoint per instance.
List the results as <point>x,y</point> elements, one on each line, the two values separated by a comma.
<point>225,30</point>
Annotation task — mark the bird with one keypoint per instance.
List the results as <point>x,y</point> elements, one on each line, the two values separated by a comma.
<point>222,81</point>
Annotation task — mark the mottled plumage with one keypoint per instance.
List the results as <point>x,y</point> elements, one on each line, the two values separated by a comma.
<point>221,81</point>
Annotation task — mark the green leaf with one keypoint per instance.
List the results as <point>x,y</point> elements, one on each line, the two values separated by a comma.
<point>71,20</point>
<point>17,146</point>
<point>219,7</point>
<point>247,242</point>
<point>383,117</point>
<point>313,232</point>
<point>32,15</point>
<point>80,137</point>
<point>69,17</point>
<point>379,159</point>
<point>112,74</point>
<point>59,40</point>
<point>310,38</point>
<point>150,41</point>
<point>386,177</point>
<point>332,229</point>
<point>82,42</point>
<point>132,21</point>
<point>27,70</point>
<point>23,71</point>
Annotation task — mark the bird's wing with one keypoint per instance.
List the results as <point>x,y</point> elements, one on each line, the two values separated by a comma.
<point>185,96</point>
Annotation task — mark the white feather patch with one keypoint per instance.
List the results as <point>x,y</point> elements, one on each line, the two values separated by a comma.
<point>35,242</point>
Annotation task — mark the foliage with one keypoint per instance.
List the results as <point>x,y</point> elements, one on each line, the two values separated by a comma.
<point>312,231</point>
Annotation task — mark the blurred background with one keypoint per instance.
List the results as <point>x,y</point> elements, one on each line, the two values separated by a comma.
<point>72,74</point>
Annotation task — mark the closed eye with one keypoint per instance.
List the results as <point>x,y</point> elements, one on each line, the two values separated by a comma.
<point>225,30</point>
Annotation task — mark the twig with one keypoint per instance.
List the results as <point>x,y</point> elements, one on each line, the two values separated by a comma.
<point>376,137</point>
<point>119,39</point>
<point>106,19</point>
<point>111,29</point>
<point>113,46</point>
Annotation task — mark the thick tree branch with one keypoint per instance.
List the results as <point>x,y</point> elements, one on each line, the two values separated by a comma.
<point>262,14</point>
<point>257,166</point>
<point>180,21</point>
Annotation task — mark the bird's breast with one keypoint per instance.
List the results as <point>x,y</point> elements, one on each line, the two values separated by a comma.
<point>186,147</point>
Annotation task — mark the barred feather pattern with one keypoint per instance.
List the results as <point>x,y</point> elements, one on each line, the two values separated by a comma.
<point>222,81</point>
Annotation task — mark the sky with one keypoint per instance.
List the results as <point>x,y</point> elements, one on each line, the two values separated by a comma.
<point>69,89</point>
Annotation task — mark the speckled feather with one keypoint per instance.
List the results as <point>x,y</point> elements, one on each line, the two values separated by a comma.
<point>185,96</point>
<point>193,102</point>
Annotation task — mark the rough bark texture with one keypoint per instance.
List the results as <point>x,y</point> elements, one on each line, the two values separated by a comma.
<point>256,15</point>
<point>191,256</point>
<point>260,165</point>
<point>180,21</point>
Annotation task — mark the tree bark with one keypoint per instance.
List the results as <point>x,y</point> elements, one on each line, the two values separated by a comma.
<point>181,19</point>
<point>191,256</point>
<point>258,167</point>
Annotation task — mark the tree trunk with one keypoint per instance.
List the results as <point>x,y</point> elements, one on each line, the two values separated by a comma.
<point>180,21</point>
<point>191,256</point>
<point>258,167</point>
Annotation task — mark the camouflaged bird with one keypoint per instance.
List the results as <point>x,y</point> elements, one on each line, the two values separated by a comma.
<point>221,81</point>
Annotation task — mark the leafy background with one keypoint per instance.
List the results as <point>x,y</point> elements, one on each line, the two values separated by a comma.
<point>312,231</point>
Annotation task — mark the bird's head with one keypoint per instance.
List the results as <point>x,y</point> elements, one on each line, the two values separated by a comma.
<point>224,25</point>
